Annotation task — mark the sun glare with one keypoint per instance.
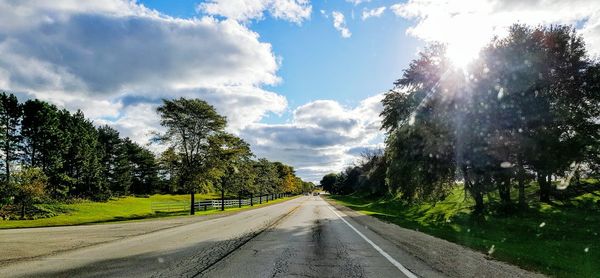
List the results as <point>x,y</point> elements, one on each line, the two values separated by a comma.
<point>461,55</point>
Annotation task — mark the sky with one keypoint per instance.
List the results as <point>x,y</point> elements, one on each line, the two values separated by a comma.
<point>300,80</point>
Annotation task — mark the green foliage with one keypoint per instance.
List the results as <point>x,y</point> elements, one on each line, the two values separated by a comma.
<point>29,187</point>
<point>266,176</point>
<point>527,108</point>
<point>81,161</point>
<point>551,239</point>
<point>10,119</point>
<point>189,124</point>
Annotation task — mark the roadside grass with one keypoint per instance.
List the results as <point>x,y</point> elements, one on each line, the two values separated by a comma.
<point>561,239</point>
<point>117,209</point>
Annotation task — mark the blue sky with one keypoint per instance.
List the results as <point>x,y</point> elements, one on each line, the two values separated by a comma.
<point>317,63</point>
<point>300,80</point>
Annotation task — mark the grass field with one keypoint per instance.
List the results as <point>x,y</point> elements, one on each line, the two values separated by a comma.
<point>118,209</point>
<point>560,240</point>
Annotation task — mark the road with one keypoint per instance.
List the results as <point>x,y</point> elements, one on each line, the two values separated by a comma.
<point>303,237</point>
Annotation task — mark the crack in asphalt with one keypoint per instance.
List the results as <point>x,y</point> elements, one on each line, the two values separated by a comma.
<point>208,258</point>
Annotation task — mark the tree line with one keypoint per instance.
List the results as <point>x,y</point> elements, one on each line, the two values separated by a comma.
<point>52,154</point>
<point>525,113</point>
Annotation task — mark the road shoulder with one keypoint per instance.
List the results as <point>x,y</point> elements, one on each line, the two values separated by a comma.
<point>446,257</point>
<point>23,244</point>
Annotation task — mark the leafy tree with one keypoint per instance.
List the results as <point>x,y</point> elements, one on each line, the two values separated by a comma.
<point>266,176</point>
<point>169,165</point>
<point>230,164</point>
<point>30,185</point>
<point>189,124</point>
<point>328,183</point>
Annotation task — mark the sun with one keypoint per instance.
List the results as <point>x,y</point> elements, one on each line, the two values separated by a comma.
<point>462,53</point>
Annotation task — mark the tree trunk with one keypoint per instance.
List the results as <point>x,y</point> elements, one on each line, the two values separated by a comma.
<point>260,199</point>
<point>222,200</point>
<point>192,204</point>
<point>544,188</point>
<point>504,191</point>
<point>7,160</point>
<point>251,200</point>
<point>521,182</point>
<point>22,210</point>
<point>239,199</point>
<point>474,189</point>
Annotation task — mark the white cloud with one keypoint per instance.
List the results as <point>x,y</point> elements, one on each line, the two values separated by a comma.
<point>339,23</point>
<point>377,12</point>
<point>358,2</point>
<point>468,25</point>
<point>244,10</point>
<point>323,136</point>
<point>116,59</point>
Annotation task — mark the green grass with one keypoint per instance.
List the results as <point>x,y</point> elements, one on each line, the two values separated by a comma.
<point>118,209</point>
<point>551,239</point>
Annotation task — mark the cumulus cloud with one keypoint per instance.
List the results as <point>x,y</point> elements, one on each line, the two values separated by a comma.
<point>339,23</point>
<point>468,25</point>
<point>323,136</point>
<point>377,12</point>
<point>116,60</point>
<point>99,55</point>
<point>244,10</point>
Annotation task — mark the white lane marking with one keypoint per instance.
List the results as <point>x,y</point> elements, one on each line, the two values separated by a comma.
<point>383,253</point>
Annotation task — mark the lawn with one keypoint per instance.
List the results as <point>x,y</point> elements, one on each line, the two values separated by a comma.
<point>118,209</point>
<point>559,240</point>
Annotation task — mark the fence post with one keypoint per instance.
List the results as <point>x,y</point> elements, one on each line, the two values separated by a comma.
<point>239,199</point>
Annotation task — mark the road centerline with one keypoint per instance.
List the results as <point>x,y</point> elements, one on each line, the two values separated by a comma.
<point>397,264</point>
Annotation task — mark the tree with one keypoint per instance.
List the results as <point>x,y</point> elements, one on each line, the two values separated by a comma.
<point>230,164</point>
<point>115,161</point>
<point>266,176</point>
<point>328,183</point>
<point>30,184</point>
<point>10,121</point>
<point>528,106</point>
<point>419,146</point>
<point>169,166</point>
<point>43,141</point>
<point>143,167</point>
<point>189,124</point>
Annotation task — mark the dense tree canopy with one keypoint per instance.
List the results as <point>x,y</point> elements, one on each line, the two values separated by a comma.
<point>525,110</point>
<point>72,158</point>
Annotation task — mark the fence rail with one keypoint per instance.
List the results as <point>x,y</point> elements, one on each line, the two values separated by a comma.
<point>213,204</point>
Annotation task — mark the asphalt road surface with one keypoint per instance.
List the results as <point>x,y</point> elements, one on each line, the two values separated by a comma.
<point>303,237</point>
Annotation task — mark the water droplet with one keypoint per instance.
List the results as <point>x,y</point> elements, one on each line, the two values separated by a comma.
<point>411,120</point>
<point>492,249</point>
<point>500,93</point>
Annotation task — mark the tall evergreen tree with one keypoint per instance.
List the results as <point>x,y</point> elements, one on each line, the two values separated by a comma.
<point>10,138</point>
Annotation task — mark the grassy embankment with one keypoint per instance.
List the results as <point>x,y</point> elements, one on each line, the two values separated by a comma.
<point>118,209</point>
<point>560,239</point>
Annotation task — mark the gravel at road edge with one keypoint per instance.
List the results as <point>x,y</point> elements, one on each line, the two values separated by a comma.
<point>446,257</point>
